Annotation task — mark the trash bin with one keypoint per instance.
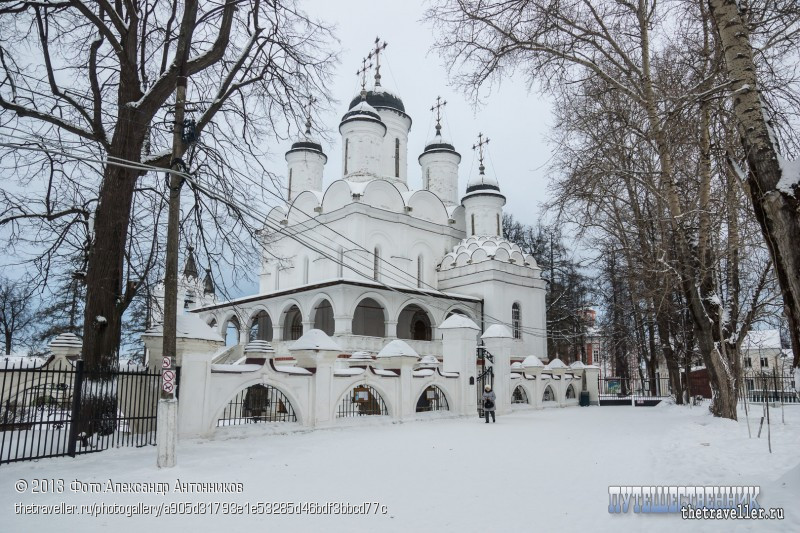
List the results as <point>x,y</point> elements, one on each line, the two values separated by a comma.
<point>584,399</point>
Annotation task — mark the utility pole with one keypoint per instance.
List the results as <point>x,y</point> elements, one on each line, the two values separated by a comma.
<point>167,423</point>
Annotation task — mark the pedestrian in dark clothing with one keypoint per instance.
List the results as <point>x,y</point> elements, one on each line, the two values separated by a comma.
<point>489,399</point>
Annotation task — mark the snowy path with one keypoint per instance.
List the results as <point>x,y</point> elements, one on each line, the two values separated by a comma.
<point>532,471</point>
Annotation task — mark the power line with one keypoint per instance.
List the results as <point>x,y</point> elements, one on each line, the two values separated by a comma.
<point>263,219</point>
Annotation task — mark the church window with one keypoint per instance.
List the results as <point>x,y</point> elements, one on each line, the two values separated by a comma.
<point>290,185</point>
<point>516,321</point>
<point>277,277</point>
<point>341,262</point>
<point>498,224</point>
<point>473,224</point>
<point>428,178</point>
<point>346,151</point>
<point>419,271</point>
<point>397,158</point>
<point>305,270</point>
<point>376,265</point>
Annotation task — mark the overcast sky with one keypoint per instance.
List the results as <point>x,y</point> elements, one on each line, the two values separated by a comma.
<point>514,120</point>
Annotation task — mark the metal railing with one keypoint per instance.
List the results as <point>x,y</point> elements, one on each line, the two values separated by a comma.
<point>63,409</point>
<point>362,400</point>
<point>258,403</point>
<point>432,399</point>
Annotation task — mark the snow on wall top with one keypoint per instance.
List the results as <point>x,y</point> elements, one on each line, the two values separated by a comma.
<point>556,363</point>
<point>397,348</point>
<point>189,326</point>
<point>577,365</point>
<point>765,339</point>
<point>456,321</point>
<point>532,361</point>
<point>315,339</point>
<point>497,331</point>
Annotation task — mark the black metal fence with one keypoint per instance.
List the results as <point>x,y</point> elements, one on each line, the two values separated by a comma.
<point>258,403</point>
<point>432,399</point>
<point>62,409</point>
<point>765,386</point>
<point>633,391</point>
<point>362,400</point>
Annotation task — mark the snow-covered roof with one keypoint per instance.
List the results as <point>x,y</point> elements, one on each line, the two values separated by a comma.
<point>397,348</point>
<point>456,321</point>
<point>516,366</point>
<point>315,339</point>
<point>765,339</point>
<point>189,326</point>
<point>482,179</point>
<point>486,248</point>
<point>361,356</point>
<point>348,371</point>
<point>497,331</point>
<point>577,365</point>
<point>532,361</point>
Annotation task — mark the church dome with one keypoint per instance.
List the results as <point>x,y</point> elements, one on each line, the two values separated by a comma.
<point>438,143</point>
<point>482,183</point>
<point>378,98</point>
<point>305,143</point>
<point>362,111</point>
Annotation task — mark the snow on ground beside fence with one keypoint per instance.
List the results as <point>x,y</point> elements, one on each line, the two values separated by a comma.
<point>546,470</point>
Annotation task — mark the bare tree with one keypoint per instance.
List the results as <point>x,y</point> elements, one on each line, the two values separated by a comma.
<point>619,45</point>
<point>89,84</point>
<point>16,313</point>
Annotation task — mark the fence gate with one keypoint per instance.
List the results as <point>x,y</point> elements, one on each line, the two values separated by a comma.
<point>633,391</point>
<point>485,375</point>
<point>67,410</point>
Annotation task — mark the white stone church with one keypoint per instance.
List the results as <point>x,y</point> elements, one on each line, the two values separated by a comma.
<point>367,260</point>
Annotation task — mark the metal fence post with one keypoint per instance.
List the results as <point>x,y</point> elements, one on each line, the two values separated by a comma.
<point>76,408</point>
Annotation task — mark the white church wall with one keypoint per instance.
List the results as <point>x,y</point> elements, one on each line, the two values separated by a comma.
<point>484,214</point>
<point>397,126</point>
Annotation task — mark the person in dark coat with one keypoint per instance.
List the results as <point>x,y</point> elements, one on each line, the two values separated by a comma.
<point>489,399</point>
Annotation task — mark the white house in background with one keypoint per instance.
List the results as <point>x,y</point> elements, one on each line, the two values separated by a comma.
<point>366,259</point>
<point>761,351</point>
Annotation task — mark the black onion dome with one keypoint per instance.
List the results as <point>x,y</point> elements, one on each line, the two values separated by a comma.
<point>438,144</point>
<point>484,187</point>
<point>380,99</point>
<point>307,144</point>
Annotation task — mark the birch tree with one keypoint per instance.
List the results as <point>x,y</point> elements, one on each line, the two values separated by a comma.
<point>772,180</point>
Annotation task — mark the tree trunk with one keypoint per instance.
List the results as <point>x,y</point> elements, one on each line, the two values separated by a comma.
<point>106,299</point>
<point>777,211</point>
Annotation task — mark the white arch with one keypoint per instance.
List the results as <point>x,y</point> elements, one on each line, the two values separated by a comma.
<point>296,406</point>
<point>432,382</point>
<point>349,389</point>
<point>388,312</point>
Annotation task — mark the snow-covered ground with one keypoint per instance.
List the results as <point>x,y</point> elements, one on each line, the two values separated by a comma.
<point>545,470</point>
